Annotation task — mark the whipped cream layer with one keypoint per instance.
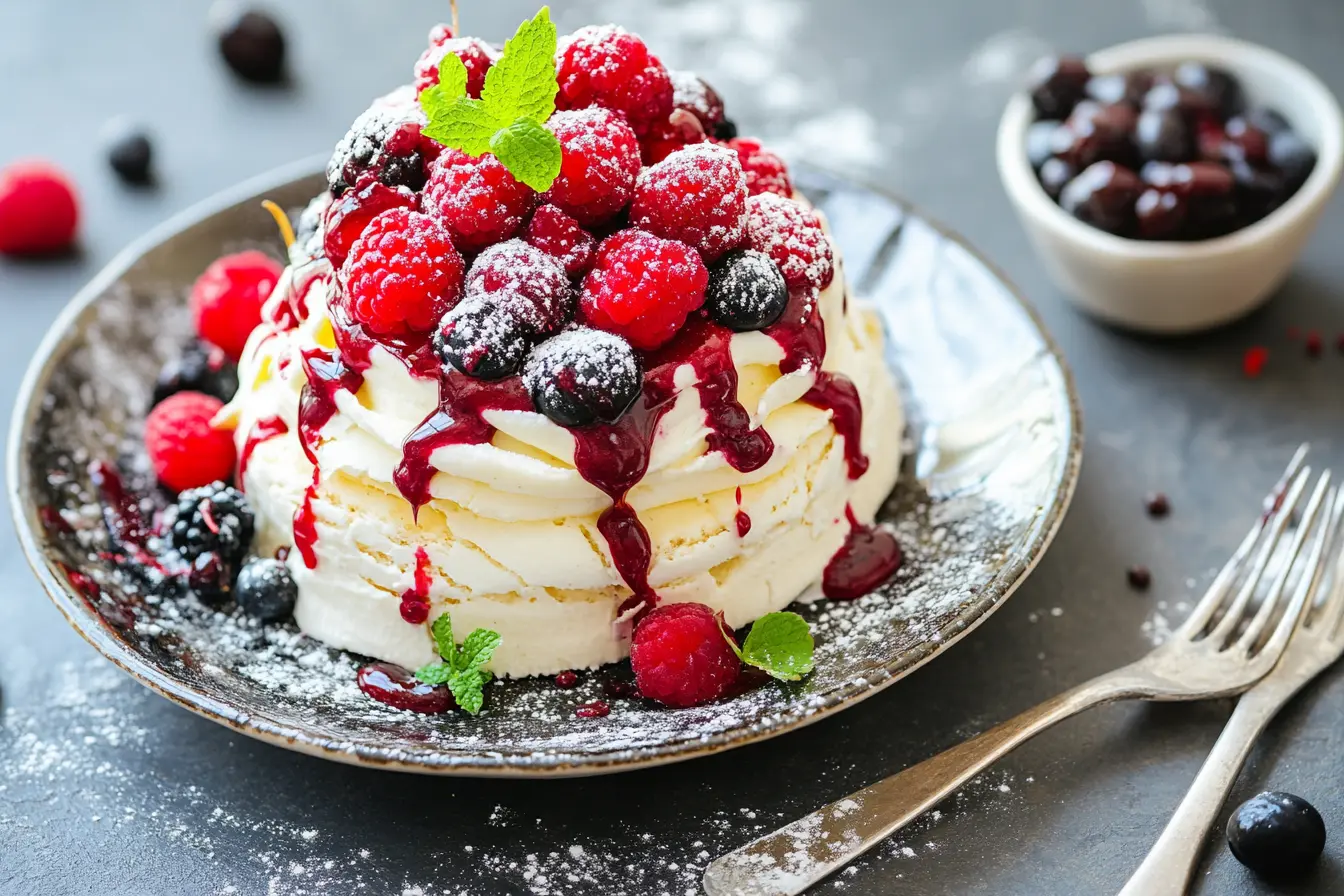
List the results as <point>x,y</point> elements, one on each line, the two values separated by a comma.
<point>509,536</point>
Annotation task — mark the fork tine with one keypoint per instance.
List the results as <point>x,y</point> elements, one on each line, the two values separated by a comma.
<point>1213,598</point>
<point>1322,496</point>
<point>1331,613</point>
<point>1232,617</point>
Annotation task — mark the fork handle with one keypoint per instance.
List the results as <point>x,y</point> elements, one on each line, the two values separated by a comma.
<point>793,858</point>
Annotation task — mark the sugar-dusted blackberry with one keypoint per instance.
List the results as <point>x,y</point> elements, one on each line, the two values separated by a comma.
<point>583,376</point>
<point>383,145</point>
<point>200,368</point>
<point>265,590</point>
<point>693,93</point>
<point>481,340</point>
<point>213,519</point>
<point>746,291</point>
<point>308,231</point>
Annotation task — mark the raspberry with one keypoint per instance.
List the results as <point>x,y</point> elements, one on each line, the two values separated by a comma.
<point>642,287</point>
<point>680,130</point>
<point>39,211</point>
<point>185,451</point>
<point>560,236</point>
<point>691,93</point>
<point>476,199</point>
<point>403,274</point>
<point>697,195</point>
<point>475,54</point>
<point>598,167</point>
<point>681,656</point>
<point>791,234</point>
<point>384,144</point>
<point>347,217</point>
<point>226,300</point>
<point>766,172</point>
<point>525,283</point>
<point>610,67</point>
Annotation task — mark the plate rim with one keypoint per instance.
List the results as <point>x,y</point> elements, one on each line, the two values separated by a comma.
<point>93,628</point>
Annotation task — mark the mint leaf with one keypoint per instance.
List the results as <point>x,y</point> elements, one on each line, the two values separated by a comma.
<point>461,123</point>
<point>469,689</point>
<point>530,152</point>
<point>461,669</point>
<point>452,77</point>
<point>435,673</point>
<point>479,647</point>
<point>522,83</point>
<point>442,630</point>
<point>781,644</point>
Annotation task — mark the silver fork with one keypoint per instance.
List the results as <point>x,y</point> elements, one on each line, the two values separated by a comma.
<point>1316,644</point>
<point>1213,654</point>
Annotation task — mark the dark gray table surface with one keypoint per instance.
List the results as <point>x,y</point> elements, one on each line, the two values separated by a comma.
<point>107,789</point>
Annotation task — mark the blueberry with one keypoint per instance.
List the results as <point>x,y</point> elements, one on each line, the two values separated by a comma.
<point>1276,835</point>
<point>1160,214</point>
<point>1104,196</point>
<point>1292,155</point>
<point>746,291</point>
<point>213,519</point>
<point>1056,84</point>
<point>481,340</point>
<point>1054,174</point>
<point>1267,120</point>
<point>583,376</point>
<point>725,130</point>
<point>1212,87</point>
<point>210,578</point>
<point>1162,135</point>
<point>1119,88</point>
<point>250,41</point>
<point>129,151</point>
<point>200,368</point>
<point>1041,142</point>
<point>265,590</point>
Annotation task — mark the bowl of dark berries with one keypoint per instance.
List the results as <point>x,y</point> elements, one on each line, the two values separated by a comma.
<point>1169,184</point>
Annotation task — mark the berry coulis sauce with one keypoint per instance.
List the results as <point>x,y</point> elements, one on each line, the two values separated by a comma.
<point>415,600</point>
<point>868,558</point>
<point>263,430</point>
<point>398,688</point>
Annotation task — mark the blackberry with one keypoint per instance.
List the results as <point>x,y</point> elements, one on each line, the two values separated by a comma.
<point>746,291</point>
<point>211,579</point>
<point>250,41</point>
<point>583,376</point>
<point>1276,835</point>
<point>213,519</point>
<point>200,368</point>
<point>129,151</point>
<point>725,130</point>
<point>308,231</point>
<point>383,145</point>
<point>265,590</point>
<point>481,339</point>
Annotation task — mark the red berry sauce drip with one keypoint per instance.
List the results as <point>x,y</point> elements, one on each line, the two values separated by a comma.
<point>328,373</point>
<point>868,558</point>
<point>415,600</point>
<point>121,513</point>
<point>836,393</point>
<point>264,429</point>
<point>742,520</point>
<point>595,710</point>
<point>305,525</point>
<point>394,686</point>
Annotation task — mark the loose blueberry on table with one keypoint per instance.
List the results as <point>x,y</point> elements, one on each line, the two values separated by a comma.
<point>1276,835</point>
<point>1160,155</point>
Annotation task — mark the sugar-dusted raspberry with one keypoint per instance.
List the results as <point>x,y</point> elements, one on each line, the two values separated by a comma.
<point>691,93</point>
<point>610,67</point>
<point>384,144</point>
<point>476,55</point>
<point>642,287</point>
<point>524,282</point>
<point>478,200</point>
<point>184,449</point>
<point>681,656</point>
<point>766,172</point>
<point>698,196</point>
<point>226,300</point>
<point>39,209</point>
<point>681,129</point>
<point>790,233</point>
<point>347,217</point>
<point>560,236</point>
<point>598,167</point>
<point>402,275</point>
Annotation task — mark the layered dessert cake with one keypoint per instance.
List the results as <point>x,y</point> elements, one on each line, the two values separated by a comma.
<point>555,348</point>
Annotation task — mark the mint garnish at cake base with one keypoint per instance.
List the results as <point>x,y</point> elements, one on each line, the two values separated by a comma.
<point>779,643</point>
<point>463,668</point>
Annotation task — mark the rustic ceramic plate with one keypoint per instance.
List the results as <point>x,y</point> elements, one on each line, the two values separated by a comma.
<point>994,449</point>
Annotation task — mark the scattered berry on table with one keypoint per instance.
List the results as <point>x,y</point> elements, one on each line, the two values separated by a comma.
<point>213,519</point>
<point>1313,344</point>
<point>477,199</point>
<point>1104,195</point>
<point>250,41</point>
<point>402,275</point>
<point>746,291</point>
<point>384,144</point>
<point>1253,361</point>
<point>39,209</point>
<point>642,287</point>
<point>481,340</point>
<point>681,656</point>
<point>347,216</point>
<point>477,57</point>
<point>184,449</point>
<point>129,151</point>
<point>790,233</point>
<point>1057,84</point>
<point>210,578</point>
<point>692,94</point>
<point>681,129</point>
<point>265,590</point>
<point>525,283</point>
<point>610,67</point>
<point>599,162</point>
<point>226,299</point>
<point>1277,835</point>
<point>765,171</point>
<point>200,368</point>
<point>697,196</point>
<point>1140,577</point>
<point>561,237</point>
<point>1157,504</point>
<point>583,376</point>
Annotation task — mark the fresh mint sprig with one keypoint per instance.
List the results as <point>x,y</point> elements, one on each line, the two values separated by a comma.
<point>463,668</point>
<point>509,118</point>
<point>779,643</point>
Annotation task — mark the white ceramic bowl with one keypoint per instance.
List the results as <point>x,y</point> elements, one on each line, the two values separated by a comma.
<point>1173,287</point>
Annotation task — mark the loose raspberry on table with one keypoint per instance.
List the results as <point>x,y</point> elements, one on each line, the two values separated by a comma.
<point>185,451</point>
<point>698,196</point>
<point>347,217</point>
<point>790,233</point>
<point>642,287</point>
<point>681,656</point>
<point>610,67</point>
<point>477,199</point>
<point>525,283</point>
<point>402,276</point>
<point>681,129</point>
<point>385,145</point>
<point>599,163</point>
<point>693,94</point>
<point>476,55</point>
<point>766,172</point>
<point>39,209</point>
<point>560,236</point>
<point>226,300</point>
